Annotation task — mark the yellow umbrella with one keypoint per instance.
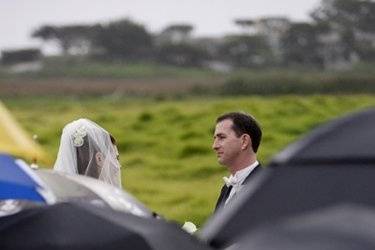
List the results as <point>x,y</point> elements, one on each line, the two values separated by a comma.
<point>15,141</point>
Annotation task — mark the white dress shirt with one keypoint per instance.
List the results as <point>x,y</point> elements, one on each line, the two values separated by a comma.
<point>237,179</point>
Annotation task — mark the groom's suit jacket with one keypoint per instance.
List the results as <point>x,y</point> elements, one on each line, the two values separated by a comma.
<point>226,190</point>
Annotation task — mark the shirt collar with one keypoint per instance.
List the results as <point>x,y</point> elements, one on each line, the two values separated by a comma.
<point>241,175</point>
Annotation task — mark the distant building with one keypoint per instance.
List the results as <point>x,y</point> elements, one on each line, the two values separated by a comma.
<point>332,52</point>
<point>272,29</point>
<point>211,46</point>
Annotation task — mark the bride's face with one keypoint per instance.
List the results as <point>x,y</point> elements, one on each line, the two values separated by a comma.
<point>99,157</point>
<point>111,171</point>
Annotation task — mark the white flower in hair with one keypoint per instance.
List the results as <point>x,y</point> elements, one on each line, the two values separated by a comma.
<point>78,136</point>
<point>78,141</point>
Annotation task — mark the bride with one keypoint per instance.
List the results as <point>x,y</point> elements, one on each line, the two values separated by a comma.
<point>88,149</point>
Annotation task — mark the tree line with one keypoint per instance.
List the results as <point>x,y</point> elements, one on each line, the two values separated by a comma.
<point>340,33</point>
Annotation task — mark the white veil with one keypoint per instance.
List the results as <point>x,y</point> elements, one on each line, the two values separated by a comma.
<point>87,149</point>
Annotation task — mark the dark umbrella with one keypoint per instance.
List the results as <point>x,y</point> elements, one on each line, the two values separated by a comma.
<point>346,140</point>
<point>85,226</point>
<point>342,227</point>
<point>298,186</point>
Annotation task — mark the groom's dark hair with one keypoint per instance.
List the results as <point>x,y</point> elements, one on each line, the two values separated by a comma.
<point>244,124</point>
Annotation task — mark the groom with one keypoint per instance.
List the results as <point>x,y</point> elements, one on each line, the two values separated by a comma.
<point>236,140</point>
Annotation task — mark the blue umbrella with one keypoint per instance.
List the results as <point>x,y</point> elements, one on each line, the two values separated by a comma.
<point>17,181</point>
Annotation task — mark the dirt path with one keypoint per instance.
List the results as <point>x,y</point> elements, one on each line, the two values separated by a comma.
<point>65,86</point>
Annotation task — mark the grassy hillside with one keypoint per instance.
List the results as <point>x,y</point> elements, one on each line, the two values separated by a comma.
<point>165,146</point>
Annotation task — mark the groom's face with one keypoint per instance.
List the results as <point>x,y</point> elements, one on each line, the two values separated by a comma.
<point>226,144</point>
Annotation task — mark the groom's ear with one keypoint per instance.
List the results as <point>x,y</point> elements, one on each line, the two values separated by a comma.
<point>246,141</point>
<point>99,158</point>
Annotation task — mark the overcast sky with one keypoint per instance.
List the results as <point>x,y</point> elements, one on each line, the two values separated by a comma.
<point>210,17</point>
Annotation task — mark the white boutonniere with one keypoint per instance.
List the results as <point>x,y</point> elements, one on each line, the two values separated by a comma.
<point>189,227</point>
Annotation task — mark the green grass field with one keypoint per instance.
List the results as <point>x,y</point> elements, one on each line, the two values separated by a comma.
<point>165,145</point>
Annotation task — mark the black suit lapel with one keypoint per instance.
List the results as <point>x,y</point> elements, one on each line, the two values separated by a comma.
<point>225,191</point>
<point>252,174</point>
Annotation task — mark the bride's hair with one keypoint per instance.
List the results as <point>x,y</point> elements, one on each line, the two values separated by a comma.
<point>84,157</point>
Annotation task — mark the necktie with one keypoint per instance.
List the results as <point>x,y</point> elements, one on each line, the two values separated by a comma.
<point>226,194</point>
<point>230,183</point>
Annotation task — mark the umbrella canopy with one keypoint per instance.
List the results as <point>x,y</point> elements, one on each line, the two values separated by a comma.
<point>300,186</point>
<point>65,188</point>
<point>85,226</point>
<point>18,182</point>
<point>342,227</point>
<point>346,140</point>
